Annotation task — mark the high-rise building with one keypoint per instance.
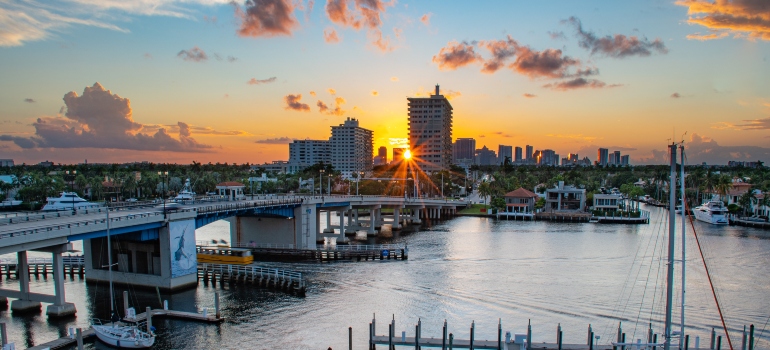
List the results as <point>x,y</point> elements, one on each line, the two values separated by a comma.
<point>530,155</point>
<point>304,153</point>
<point>351,148</point>
<point>602,157</point>
<point>430,131</point>
<point>382,156</point>
<point>485,156</point>
<point>503,152</point>
<point>517,155</point>
<point>624,160</point>
<point>616,155</point>
<point>548,157</point>
<point>464,150</point>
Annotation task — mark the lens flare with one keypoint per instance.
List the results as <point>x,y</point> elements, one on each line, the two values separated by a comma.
<point>407,154</point>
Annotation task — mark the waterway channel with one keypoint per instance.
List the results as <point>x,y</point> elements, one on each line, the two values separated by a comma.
<point>462,270</point>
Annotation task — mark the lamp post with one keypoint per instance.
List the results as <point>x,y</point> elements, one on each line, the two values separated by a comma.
<point>251,182</point>
<point>321,183</point>
<point>70,177</point>
<point>442,184</point>
<point>164,174</point>
<point>360,174</point>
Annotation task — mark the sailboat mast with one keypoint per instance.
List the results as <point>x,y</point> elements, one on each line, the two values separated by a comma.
<point>109,264</point>
<point>684,241</point>
<point>671,229</point>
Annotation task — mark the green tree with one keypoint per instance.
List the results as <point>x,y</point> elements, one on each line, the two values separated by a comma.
<point>485,190</point>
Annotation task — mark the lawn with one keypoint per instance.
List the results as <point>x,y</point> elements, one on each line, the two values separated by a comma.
<point>473,209</point>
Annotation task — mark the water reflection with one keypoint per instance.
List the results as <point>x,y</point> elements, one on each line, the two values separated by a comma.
<point>460,270</point>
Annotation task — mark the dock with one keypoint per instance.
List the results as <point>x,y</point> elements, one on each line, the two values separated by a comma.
<point>563,216</point>
<point>64,342</point>
<point>750,223</point>
<point>324,253</point>
<point>72,265</point>
<point>276,279</point>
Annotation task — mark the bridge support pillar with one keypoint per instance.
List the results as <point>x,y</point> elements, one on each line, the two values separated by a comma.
<point>23,304</point>
<point>416,216</point>
<point>329,228</point>
<point>396,218</point>
<point>61,307</point>
<point>352,222</point>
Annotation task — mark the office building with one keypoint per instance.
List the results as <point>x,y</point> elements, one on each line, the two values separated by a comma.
<point>463,150</point>
<point>485,156</point>
<point>382,156</point>
<point>351,148</point>
<point>504,152</point>
<point>430,131</point>
<point>624,160</point>
<point>530,155</point>
<point>6,162</point>
<point>517,155</point>
<point>602,156</point>
<point>616,155</point>
<point>398,155</point>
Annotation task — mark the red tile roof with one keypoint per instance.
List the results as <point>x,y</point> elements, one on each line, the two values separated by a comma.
<point>521,193</point>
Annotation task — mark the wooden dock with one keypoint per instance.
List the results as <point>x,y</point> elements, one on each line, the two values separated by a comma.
<point>563,216</point>
<point>750,223</point>
<point>322,253</point>
<point>64,342</point>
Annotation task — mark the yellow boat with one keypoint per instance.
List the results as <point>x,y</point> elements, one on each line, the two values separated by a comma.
<point>224,255</point>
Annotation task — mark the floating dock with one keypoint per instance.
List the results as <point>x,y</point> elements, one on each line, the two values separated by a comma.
<point>276,279</point>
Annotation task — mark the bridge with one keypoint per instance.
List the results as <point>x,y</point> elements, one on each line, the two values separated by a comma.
<point>154,246</point>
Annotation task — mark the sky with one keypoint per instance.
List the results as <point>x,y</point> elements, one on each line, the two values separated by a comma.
<point>236,81</point>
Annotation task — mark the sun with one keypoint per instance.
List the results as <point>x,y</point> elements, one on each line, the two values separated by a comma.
<point>407,154</point>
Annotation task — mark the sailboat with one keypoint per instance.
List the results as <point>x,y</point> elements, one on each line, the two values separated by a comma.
<point>117,334</point>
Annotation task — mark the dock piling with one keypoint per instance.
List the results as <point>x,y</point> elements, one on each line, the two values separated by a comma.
<point>529,334</point>
<point>751,337</point>
<point>350,338</point>
<point>559,340</point>
<point>148,312</point>
<point>744,338</point>
<point>3,333</point>
<point>719,342</point>
<point>79,338</point>
<point>473,327</point>
<point>713,338</point>
<point>686,342</point>
<point>125,302</point>
<point>443,337</point>
<point>499,334</point>
<point>165,305</point>
<point>451,339</point>
<point>216,304</point>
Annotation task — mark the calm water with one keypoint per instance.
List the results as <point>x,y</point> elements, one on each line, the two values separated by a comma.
<point>463,270</point>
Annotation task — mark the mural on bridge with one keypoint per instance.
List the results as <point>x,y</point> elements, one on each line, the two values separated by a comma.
<point>183,257</point>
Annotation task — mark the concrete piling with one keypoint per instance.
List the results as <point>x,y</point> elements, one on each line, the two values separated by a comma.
<point>79,338</point>
<point>148,312</point>
<point>216,304</point>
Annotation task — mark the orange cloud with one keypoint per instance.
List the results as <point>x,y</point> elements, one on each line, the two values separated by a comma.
<point>293,103</point>
<point>749,17</point>
<point>375,93</point>
<point>255,81</point>
<point>330,36</point>
<point>528,95</point>
<point>332,91</point>
<point>618,46</point>
<point>456,55</point>
<point>393,78</point>
<point>425,19</point>
<point>266,18</point>
<point>704,37</point>
<point>312,93</point>
<point>338,102</point>
<point>676,95</point>
<point>451,94</point>
<point>362,14</point>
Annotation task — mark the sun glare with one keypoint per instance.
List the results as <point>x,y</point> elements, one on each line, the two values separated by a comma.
<point>407,154</point>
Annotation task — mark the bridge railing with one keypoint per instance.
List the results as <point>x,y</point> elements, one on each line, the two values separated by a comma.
<point>360,247</point>
<point>66,259</point>
<point>48,228</point>
<point>246,205</point>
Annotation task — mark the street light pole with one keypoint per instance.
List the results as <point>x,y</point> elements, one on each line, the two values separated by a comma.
<point>163,174</point>
<point>71,179</point>
<point>251,182</point>
<point>321,183</point>
<point>442,184</point>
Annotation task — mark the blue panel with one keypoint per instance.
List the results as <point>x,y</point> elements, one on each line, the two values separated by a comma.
<point>117,231</point>
<point>335,204</point>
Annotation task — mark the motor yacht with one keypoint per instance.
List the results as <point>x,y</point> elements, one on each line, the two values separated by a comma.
<point>712,212</point>
<point>68,201</point>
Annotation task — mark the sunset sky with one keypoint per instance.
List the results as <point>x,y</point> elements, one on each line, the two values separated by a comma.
<point>215,81</point>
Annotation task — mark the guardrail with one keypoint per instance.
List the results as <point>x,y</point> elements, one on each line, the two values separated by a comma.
<point>76,224</point>
<point>66,259</point>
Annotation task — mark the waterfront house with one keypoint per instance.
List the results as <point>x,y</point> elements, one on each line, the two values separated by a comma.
<point>520,201</point>
<point>565,198</point>
<point>607,202</point>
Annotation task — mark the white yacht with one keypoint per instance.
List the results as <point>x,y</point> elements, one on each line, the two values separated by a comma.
<point>186,194</point>
<point>713,212</point>
<point>68,201</point>
<point>9,203</point>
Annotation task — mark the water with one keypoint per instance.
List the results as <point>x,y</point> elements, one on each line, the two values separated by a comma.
<point>462,270</point>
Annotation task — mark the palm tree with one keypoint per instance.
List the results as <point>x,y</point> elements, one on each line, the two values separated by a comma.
<point>485,190</point>
<point>723,185</point>
<point>746,201</point>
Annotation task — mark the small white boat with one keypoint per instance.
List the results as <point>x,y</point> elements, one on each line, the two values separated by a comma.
<point>186,194</point>
<point>9,203</point>
<point>712,212</point>
<point>124,337</point>
<point>68,201</point>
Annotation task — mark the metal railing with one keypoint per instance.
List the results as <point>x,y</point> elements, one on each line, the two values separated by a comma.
<point>66,260</point>
<point>254,271</point>
<point>361,247</point>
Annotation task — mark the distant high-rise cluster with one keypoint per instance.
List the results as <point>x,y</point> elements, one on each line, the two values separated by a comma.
<point>605,158</point>
<point>349,150</point>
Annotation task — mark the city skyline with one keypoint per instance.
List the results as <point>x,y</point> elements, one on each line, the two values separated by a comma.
<point>210,81</point>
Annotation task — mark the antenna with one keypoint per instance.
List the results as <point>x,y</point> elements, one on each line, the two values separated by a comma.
<point>685,133</point>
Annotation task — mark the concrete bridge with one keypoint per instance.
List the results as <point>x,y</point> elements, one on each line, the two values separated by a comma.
<point>155,247</point>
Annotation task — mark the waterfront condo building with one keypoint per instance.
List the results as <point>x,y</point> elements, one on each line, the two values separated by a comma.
<point>304,153</point>
<point>530,152</point>
<point>430,131</point>
<point>351,148</point>
<point>517,155</point>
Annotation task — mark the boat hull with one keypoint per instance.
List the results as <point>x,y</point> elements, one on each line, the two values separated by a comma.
<point>124,337</point>
<point>711,219</point>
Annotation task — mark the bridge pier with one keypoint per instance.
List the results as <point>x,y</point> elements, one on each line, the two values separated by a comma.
<point>24,302</point>
<point>60,307</point>
<point>329,228</point>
